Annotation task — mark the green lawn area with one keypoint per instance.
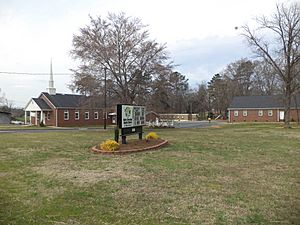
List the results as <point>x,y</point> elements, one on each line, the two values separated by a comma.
<point>237,174</point>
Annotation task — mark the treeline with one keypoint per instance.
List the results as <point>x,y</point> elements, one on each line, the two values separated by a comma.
<point>172,93</point>
<point>118,58</point>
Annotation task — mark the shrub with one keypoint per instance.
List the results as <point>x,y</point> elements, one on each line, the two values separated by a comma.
<point>152,135</point>
<point>110,145</point>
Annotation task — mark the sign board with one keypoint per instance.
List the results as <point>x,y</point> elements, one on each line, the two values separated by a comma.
<point>131,116</point>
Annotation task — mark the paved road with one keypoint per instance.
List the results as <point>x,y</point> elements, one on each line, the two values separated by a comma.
<point>49,130</point>
<point>180,124</point>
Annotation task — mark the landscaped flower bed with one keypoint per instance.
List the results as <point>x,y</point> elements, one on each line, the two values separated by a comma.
<point>133,146</point>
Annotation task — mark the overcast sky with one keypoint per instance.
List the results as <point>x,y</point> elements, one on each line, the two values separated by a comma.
<point>199,35</point>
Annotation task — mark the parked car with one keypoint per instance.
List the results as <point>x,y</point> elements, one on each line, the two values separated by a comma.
<point>16,122</point>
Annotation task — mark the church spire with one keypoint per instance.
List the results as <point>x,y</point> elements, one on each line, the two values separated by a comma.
<point>51,89</point>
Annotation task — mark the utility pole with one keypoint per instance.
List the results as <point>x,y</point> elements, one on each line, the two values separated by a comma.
<point>105,116</point>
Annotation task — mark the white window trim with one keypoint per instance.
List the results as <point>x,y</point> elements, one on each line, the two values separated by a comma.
<point>96,117</point>
<point>245,113</point>
<point>66,112</point>
<point>77,112</point>
<point>48,116</point>
<point>236,113</point>
<point>87,115</point>
<point>270,112</point>
<point>260,113</point>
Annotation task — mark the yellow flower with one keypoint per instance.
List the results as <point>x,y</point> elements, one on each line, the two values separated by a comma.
<point>110,145</point>
<point>152,135</point>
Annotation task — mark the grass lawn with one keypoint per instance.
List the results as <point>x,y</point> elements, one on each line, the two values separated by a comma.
<point>237,174</point>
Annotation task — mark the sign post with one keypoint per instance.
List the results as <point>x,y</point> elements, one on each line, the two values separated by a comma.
<point>131,119</point>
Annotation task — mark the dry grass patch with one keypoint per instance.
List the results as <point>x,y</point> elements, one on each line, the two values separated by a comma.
<point>215,127</point>
<point>65,169</point>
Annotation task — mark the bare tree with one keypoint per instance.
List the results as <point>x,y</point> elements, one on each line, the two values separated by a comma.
<point>169,92</point>
<point>266,80</point>
<point>282,52</point>
<point>5,104</point>
<point>240,74</point>
<point>201,104</point>
<point>179,87</point>
<point>160,100</point>
<point>219,96</point>
<point>297,92</point>
<point>120,44</point>
<point>3,99</point>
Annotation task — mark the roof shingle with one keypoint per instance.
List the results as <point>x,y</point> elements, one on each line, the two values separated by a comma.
<point>66,100</point>
<point>260,102</point>
<point>41,103</point>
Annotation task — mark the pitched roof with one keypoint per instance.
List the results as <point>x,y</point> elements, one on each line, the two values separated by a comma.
<point>260,102</point>
<point>41,103</point>
<point>65,100</point>
<point>148,112</point>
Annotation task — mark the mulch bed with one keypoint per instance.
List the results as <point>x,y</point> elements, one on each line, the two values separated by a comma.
<point>134,146</point>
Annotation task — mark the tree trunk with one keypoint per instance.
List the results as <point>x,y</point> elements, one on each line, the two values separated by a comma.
<point>296,107</point>
<point>287,105</point>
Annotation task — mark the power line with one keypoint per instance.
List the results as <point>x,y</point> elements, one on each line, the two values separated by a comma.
<point>33,74</point>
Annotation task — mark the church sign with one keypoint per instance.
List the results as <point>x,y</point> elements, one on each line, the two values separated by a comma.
<point>130,119</point>
<point>132,116</point>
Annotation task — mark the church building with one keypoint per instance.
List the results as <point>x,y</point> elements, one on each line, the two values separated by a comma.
<point>62,110</point>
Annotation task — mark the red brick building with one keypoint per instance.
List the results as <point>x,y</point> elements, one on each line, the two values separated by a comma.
<point>261,109</point>
<point>63,110</point>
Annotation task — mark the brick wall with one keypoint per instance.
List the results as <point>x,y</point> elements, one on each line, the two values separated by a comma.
<point>294,115</point>
<point>82,121</point>
<point>52,120</point>
<point>33,120</point>
<point>252,116</point>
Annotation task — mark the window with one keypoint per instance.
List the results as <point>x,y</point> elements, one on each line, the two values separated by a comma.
<point>86,115</point>
<point>260,112</point>
<point>270,112</point>
<point>96,115</point>
<point>48,115</point>
<point>245,113</point>
<point>236,113</point>
<point>66,115</point>
<point>76,115</point>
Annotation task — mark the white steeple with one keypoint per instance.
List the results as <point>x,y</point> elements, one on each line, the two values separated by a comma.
<point>51,89</point>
